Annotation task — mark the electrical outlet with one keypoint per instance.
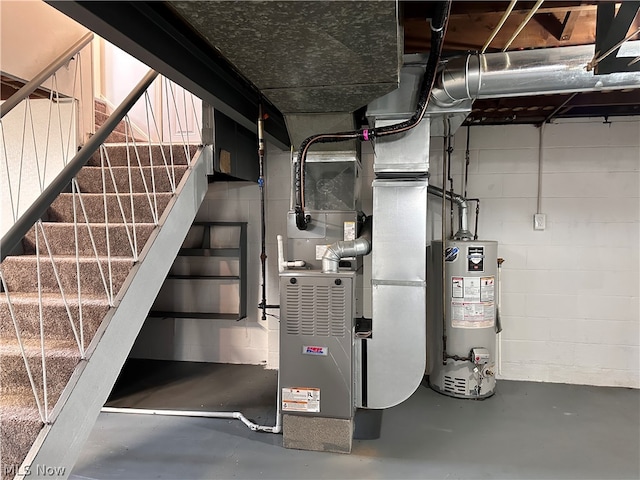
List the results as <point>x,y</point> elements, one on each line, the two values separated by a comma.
<point>539,221</point>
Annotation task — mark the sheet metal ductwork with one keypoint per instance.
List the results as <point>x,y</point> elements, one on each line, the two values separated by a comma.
<point>528,72</point>
<point>352,248</point>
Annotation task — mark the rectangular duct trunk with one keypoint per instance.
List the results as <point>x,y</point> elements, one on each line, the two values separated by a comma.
<point>402,155</point>
<point>396,352</point>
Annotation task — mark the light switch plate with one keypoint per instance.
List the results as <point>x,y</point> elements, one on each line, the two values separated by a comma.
<point>539,221</point>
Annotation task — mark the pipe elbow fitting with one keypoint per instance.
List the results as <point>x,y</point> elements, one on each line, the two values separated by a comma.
<point>302,220</point>
<point>342,249</point>
<point>331,258</point>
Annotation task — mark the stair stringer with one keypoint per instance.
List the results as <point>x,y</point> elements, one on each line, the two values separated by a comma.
<point>58,444</point>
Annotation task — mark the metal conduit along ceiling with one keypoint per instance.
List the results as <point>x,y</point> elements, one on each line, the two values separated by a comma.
<point>320,57</point>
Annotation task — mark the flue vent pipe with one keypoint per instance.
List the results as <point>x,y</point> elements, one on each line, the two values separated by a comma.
<point>351,248</point>
<point>463,232</point>
<point>522,73</point>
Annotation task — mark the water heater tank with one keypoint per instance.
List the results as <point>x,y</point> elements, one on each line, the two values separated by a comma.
<point>462,344</point>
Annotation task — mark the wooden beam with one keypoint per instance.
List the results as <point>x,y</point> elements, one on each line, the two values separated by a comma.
<point>560,29</point>
<point>421,10</point>
<point>550,23</point>
<point>470,32</point>
<point>570,21</point>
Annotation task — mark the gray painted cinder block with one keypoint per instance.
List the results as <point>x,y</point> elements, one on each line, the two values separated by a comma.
<point>317,433</point>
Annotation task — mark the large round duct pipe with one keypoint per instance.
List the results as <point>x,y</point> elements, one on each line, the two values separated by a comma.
<point>341,249</point>
<point>522,73</point>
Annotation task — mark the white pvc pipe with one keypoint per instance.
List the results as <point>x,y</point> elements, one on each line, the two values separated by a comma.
<point>285,264</point>
<point>277,428</point>
<point>195,413</point>
<point>500,313</point>
<point>281,263</point>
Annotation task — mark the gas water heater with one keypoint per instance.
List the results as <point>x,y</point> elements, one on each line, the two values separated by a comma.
<point>462,347</point>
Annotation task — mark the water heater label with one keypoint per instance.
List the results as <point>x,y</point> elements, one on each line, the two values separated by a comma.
<point>471,289</point>
<point>457,287</point>
<point>301,399</point>
<point>451,254</point>
<point>487,289</point>
<point>472,315</point>
<point>472,302</point>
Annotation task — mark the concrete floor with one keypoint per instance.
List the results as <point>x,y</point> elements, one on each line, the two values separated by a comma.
<point>527,430</point>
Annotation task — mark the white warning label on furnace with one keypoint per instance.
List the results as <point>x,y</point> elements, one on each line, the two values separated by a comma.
<point>301,399</point>
<point>472,314</point>
<point>349,231</point>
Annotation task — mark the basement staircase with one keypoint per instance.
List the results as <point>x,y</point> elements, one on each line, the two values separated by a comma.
<point>125,247</point>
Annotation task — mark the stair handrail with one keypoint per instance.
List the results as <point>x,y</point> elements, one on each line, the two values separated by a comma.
<point>22,226</point>
<point>31,86</point>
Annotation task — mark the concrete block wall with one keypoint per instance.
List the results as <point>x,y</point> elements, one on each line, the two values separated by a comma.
<point>570,306</point>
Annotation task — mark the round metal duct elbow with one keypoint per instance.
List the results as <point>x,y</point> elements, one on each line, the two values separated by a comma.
<point>523,73</point>
<point>342,249</point>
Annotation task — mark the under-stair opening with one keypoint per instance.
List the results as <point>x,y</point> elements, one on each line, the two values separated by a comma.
<point>197,386</point>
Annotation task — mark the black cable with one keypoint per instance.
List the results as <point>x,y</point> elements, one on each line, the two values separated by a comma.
<point>263,245</point>
<point>438,30</point>
<point>449,177</point>
<point>466,164</point>
<point>475,233</point>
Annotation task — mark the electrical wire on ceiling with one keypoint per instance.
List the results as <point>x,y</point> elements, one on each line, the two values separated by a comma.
<point>438,25</point>
<point>523,24</point>
<point>499,26</point>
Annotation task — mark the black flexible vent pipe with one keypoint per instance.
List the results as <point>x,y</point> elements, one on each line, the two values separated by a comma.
<point>438,30</point>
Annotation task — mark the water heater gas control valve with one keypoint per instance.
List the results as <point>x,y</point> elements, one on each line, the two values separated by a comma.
<point>480,356</point>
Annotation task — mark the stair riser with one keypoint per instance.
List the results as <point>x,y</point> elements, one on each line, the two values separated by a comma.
<point>90,180</point>
<point>21,275</point>
<point>102,117</point>
<point>13,373</point>
<point>117,137</point>
<point>100,106</point>
<point>118,155</point>
<point>62,209</point>
<point>55,319</point>
<point>61,239</point>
